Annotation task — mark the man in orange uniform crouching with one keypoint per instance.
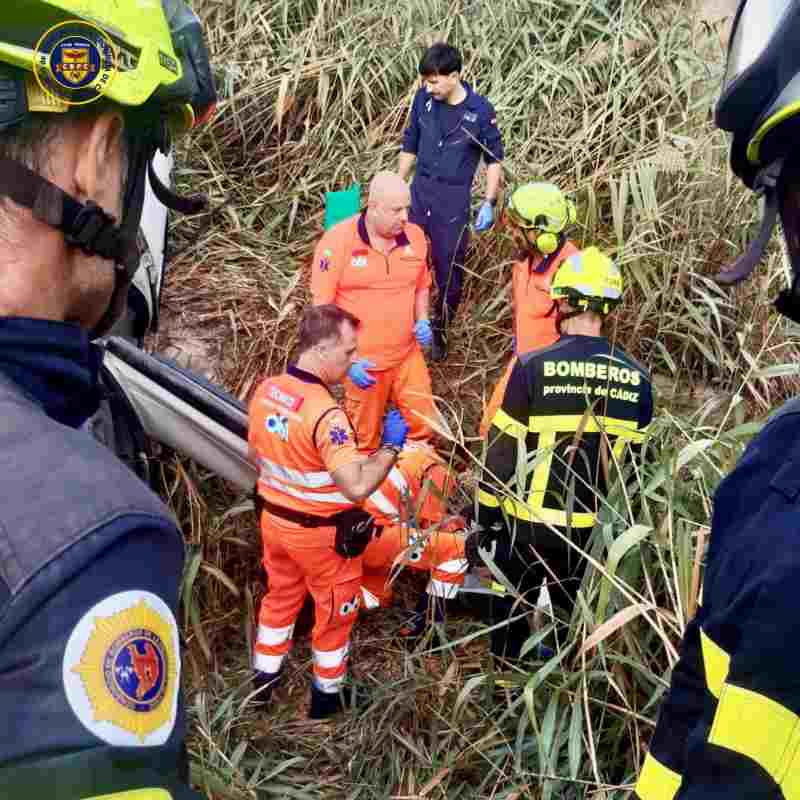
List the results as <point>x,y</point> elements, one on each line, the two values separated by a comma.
<point>375,265</point>
<point>539,216</point>
<point>311,479</point>
<point>411,505</point>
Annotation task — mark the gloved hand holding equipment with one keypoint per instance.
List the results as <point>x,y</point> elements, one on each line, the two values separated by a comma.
<point>423,332</point>
<point>359,375</point>
<point>395,430</point>
<point>485,217</point>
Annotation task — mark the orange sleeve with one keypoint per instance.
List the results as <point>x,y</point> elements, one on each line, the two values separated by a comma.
<point>424,280</point>
<point>325,271</point>
<point>255,416</point>
<point>336,441</point>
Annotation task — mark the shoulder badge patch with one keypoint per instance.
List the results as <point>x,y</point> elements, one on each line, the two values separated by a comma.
<point>121,670</point>
<point>359,258</point>
<point>278,426</point>
<point>283,398</point>
<point>338,435</point>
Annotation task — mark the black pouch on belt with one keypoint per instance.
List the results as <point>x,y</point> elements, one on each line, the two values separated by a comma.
<point>354,531</point>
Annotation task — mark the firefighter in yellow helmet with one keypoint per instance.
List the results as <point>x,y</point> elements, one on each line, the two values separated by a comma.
<point>563,406</point>
<point>90,558</point>
<point>728,725</point>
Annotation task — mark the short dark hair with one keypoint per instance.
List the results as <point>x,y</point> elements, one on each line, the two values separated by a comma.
<point>440,59</point>
<point>322,322</point>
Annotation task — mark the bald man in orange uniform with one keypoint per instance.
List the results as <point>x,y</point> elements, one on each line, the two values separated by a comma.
<point>375,266</point>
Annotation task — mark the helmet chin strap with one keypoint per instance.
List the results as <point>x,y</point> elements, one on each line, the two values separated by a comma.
<point>89,227</point>
<point>765,184</point>
<point>84,225</point>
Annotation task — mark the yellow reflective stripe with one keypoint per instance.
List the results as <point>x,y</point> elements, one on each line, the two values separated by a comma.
<point>486,499</point>
<point>569,423</point>
<point>527,514</point>
<point>754,148</point>
<point>764,731</point>
<point>541,473</point>
<point>560,518</point>
<point>136,794</point>
<point>507,424</point>
<point>716,662</point>
<point>657,782</point>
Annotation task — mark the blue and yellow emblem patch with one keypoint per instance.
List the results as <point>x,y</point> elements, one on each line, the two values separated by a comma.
<point>75,62</point>
<point>121,670</point>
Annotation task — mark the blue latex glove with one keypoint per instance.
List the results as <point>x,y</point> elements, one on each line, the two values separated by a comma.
<point>395,429</point>
<point>485,216</point>
<point>359,375</point>
<point>423,332</point>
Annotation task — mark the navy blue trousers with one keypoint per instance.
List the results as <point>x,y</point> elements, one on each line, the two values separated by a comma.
<point>442,211</point>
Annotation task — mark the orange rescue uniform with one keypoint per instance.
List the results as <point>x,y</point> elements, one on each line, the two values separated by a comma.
<point>300,436</point>
<point>411,504</point>
<point>380,290</point>
<point>534,325</point>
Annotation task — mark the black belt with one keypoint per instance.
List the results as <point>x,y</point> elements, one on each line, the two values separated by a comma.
<point>439,179</point>
<point>298,517</point>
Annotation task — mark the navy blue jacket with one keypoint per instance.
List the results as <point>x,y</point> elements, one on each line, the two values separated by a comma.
<point>452,156</point>
<point>730,723</point>
<point>45,748</point>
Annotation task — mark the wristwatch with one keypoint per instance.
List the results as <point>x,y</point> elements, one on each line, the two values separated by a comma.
<point>393,447</point>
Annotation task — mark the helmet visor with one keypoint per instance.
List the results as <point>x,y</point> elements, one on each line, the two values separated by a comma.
<point>756,25</point>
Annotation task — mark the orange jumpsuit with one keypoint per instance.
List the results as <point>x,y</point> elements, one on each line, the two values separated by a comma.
<point>380,290</point>
<point>413,498</point>
<point>534,325</point>
<point>300,436</point>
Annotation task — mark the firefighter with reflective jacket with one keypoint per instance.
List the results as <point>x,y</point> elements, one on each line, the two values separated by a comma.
<point>728,726</point>
<point>418,533</point>
<point>90,559</point>
<point>539,216</point>
<point>563,407</point>
<point>311,477</point>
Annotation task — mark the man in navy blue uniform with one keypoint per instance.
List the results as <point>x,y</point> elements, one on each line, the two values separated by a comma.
<point>90,558</point>
<point>729,725</point>
<point>451,127</point>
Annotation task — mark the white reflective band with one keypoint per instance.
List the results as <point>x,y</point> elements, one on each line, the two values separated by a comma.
<point>438,588</point>
<point>267,663</point>
<point>330,659</point>
<point>274,636</point>
<point>383,504</point>
<point>328,685</point>
<point>318,497</point>
<point>398,479</point>
<point>311,480</point>
<point>370,600</point>
<point>455,567</point>
<point>544,601</point>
